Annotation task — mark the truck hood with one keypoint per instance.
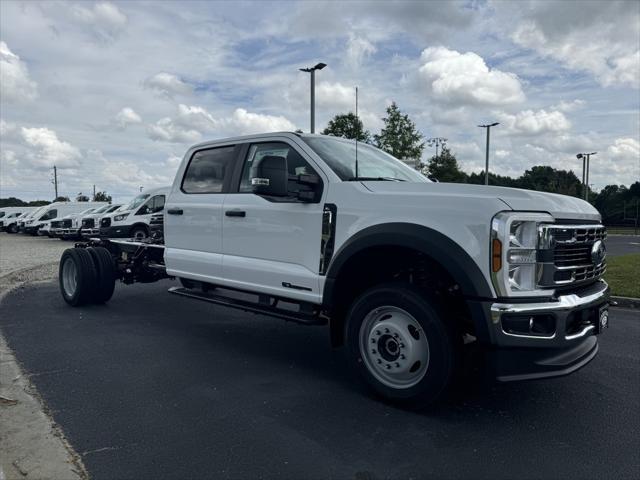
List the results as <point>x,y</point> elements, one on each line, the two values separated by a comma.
<point>559,206</point>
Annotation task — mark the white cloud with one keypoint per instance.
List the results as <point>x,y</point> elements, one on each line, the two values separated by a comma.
<point>167,85</point>
<point>127,116</point>
<point>15,83</point>
<point>191,122</point>
<point>529,122</point>
<point>464,78</point>
<point>46,150</point>
<point>598,37</point>
<point>358,49</point>
<point>569,106</point>
<point>104,20</point>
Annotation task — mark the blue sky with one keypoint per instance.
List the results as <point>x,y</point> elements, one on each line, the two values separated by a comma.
<point>113,93</point>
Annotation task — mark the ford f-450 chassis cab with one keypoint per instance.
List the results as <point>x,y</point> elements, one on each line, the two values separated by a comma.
<point>407,273</point>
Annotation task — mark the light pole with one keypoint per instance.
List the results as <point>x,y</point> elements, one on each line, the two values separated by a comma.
<point>486,168</point>
<point>438,142</point>
<point>312,71</point>
<point>585,171</point>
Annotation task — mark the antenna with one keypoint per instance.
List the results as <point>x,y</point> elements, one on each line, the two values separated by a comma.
<point>357,125</point>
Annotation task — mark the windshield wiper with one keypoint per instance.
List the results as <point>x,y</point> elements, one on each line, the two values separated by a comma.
<point>385,179</point>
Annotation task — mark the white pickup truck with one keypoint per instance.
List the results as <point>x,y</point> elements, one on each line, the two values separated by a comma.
<point>409,274</point>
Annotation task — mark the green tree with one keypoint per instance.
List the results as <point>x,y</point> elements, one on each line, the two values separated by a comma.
<point>102,197</point>
<point>445,168</point>
<point>347,125</point>
<point>399,136</point>
<point>61,199</point>
<point>548,179</point>
<point>82,198</point>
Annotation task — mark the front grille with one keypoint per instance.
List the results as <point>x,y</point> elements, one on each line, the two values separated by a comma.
<point>105,222</point>
<point>88,222</point>
<point>67,223</point>
<point>567,254</point>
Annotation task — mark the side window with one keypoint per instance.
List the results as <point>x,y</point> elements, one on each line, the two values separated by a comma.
<point>208,169</point>
<point>295,163</point>
<point>158,204</point>
<point>50,214</point>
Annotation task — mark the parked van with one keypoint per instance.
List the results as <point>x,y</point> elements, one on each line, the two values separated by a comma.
<point>54,211</point>
<point>90,224</point>
<point>132,220</point>
<point>22,221</point>
<point>10,215</point>
<point>69,225</point>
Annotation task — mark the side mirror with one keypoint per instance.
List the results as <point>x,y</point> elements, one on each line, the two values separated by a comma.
<point>269,176</point>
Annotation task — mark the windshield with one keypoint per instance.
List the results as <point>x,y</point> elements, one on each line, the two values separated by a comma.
<point>84,212</point>
<point>136,202</point>
<point>37,211</point>
<point>373,163</point>
<point>102,209</point>
<point>2,214</point>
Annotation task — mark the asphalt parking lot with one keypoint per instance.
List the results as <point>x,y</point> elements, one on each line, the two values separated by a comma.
<point>156,386</point>
<point>622,244</point>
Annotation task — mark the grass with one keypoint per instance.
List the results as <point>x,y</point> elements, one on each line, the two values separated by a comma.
<point>623,231</point>
<point>623,275</point>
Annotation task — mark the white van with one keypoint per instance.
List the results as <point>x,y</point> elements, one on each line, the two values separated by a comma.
<point>132,220</point>
<point>22,221</point>
<point>90,225</point>
<point>9,216</point>
<point>54,211</point>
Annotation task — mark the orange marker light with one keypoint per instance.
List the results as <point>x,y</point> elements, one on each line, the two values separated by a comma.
<point>496,255</point>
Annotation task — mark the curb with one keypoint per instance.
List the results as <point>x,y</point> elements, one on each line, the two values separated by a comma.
<point>626,302</point>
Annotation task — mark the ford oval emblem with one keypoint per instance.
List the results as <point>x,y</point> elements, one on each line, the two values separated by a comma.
<point>598,252</point>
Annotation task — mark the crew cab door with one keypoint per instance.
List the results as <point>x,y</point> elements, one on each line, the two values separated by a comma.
<point>193,214</point>
<point>272,246</point>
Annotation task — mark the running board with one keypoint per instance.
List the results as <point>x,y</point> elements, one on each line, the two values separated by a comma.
<point>292,316</point>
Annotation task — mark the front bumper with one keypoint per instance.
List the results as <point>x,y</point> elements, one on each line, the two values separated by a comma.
<point>115,231</point>
<point>569,345</point>
<point>70,232</point>
<point>90,232</point>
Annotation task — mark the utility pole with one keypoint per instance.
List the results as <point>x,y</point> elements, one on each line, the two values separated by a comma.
<point>585,157</point>
<point>486,169</point>
<point>94,193</point>
<point>55,180</point>
<point>312,71</point>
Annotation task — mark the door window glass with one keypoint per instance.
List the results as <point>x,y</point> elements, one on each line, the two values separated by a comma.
<point>50,214</point>
<point>208,169</point>
<point>295,163</point>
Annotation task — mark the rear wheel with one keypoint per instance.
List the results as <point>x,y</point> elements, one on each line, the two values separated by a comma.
<point>77,276</point>
<point>106,274</point>
<point>12,229</point>
<point>139,233</point>
<point>399,343</point>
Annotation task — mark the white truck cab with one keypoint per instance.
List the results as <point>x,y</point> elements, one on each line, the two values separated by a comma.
<point>411,275</point>
<point>133,219</point>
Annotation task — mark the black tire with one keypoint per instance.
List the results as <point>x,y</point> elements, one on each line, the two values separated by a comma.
<point>441,352</point>
<point>12,229</point>
<point>82,291</point>
<point>106,274</point>
<point>139,233</point>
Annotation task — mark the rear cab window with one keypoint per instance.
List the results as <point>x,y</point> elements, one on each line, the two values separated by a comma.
<point>209,170</point>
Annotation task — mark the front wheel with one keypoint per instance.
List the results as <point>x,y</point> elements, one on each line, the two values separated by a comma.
<point>400,344</point>
<point>139,233</point>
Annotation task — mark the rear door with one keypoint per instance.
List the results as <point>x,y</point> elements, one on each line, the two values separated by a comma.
<point>273,246</point>
<point>193,216</point>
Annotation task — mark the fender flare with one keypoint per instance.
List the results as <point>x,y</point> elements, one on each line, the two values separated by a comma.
<point>462,268</point>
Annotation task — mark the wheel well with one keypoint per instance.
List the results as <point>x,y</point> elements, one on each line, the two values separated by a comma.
<point>378,264</point>
<point>139,225</point>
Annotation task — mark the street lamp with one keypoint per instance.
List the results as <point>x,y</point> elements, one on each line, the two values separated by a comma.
<point>585,157</point>
<point>486,168</point>
<point>312,71</point>
<point>437,141</point>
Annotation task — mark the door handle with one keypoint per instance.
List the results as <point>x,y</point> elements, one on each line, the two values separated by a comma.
<point>235,213</point>
<point>175,211</point>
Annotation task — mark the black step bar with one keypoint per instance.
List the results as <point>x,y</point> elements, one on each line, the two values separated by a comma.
<point>254,307</point>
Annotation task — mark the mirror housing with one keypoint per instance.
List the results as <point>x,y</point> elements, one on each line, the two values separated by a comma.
<point>269,176</point>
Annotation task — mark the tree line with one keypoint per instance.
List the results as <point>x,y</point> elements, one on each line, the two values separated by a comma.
<point>400,137</point>
<point>16,202</point>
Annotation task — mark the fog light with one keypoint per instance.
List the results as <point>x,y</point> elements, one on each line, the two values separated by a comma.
<point>530,325</point>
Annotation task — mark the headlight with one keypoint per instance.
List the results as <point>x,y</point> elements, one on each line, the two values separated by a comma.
<point>514,248</point>
<point>119,218</point>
